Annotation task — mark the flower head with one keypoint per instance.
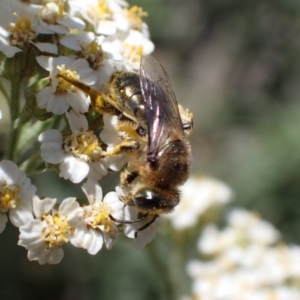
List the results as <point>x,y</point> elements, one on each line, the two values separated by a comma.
<point>16,192</point>
<point>95,226</point>
<point>60,95</point>
<point>79,154</point>
<point>198,196</point>
<point>44,236</point>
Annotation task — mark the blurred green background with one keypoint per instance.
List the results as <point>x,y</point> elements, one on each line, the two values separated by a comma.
<point>236,66</point>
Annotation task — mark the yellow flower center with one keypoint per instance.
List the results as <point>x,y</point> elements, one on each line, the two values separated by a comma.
<point>57,232</point>
<point>9,197</point>
<point>134,16</point>
<point>103,10</point>
<point>51,11</point>
<point>93,53</point>
<point>21,32</point>
<point>100,216</point>
<point>67,73</point>
<point>85,146</point>
<point>133,52</point>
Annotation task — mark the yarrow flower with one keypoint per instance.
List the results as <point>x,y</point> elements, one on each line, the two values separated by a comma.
<point>59,96</point>
<point>51,18</point>
<point>16,192</point>
<point>246,256</point>
<point>199,194</point>
<point>78,155</point>
<point>95,226</point>
<point>44,236</point>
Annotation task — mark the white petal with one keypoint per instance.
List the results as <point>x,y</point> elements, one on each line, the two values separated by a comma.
<point>70,208</point>
<point>43,96</point>
<point>9,172</point>
<point>82,236</point>
<point>96,242</point>
<point>38,253</point>
<point>55,256</point>
<point>93,191</point>
<point>31,234</point>
<point>115,203</point>
<point>73,169</point>
<point>97,170</point>
<point>148,234</point>
<point>57,104</point>
<point>51,147</point>
<point>111,237</point>
<point>47,47</point>
<point>78,122</point>
<point>42,207</point>
<point>44,255</point>
<point>22,214</point>
<point>72,22</point>
<point>79,101</point>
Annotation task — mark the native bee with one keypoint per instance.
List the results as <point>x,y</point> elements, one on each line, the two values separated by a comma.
<point>157,129</point>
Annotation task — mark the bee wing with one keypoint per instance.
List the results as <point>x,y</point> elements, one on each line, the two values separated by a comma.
<point>161,107</point>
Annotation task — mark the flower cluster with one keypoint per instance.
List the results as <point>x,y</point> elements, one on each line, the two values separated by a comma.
<point>244,261</point>
<point>200,195</point>
<point>87,41</point>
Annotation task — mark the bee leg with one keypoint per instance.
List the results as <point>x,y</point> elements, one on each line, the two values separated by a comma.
<point>143,217</point>
<point>100,102</point>
<point>125,146</point>
<point>131,127</point>
<point>145,226</point>
<point>128,177</point>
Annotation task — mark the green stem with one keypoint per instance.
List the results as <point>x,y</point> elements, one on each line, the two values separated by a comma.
<point>4,93</point>
<point>15,88</point>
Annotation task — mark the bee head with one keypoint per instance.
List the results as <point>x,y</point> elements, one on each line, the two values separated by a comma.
<point>154,201</point>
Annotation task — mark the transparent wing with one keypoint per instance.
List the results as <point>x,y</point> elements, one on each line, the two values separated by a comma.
<point>161,108</point>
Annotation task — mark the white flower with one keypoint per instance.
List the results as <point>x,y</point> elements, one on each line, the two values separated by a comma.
<point>134,47</point>
<point>96,51</point>
<point>198,195</point>
<point>51,18</point>
<point>5,47</point>
<point>111,137</point>
<point>242,256</point>
<point>78,154</point>
<point>19,35</point>
<point>16,192</point>
<point>106,16</point>
<point>95,226</point>
<point>44,236</point>
<point>252,227</point>
<point>8,9</point>
<point>58,97</point>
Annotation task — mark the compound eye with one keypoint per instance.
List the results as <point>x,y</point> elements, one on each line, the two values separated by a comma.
<point>147,199</point>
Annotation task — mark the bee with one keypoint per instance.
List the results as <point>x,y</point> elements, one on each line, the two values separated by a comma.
<point>157,129</point>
